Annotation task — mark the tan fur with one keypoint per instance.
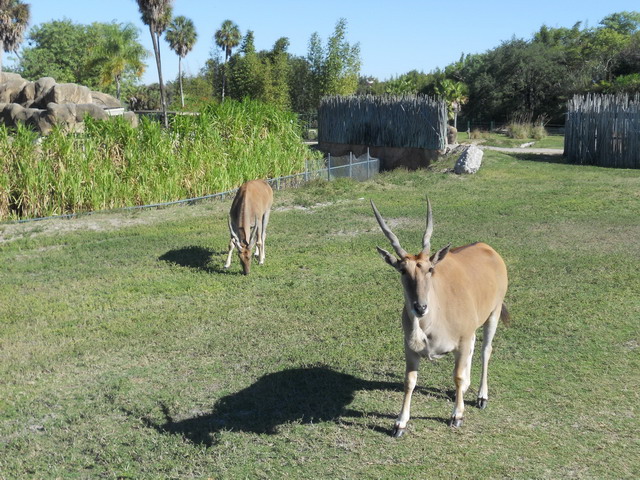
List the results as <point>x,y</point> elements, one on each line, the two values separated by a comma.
<point>448,296</point>
<point>248,219</point>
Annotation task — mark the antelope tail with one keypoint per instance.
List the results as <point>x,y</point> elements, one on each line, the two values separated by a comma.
<point>504,315</point>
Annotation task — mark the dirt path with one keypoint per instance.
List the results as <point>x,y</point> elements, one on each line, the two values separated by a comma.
<point>538,151</point>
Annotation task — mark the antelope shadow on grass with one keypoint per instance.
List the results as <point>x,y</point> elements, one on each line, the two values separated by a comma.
<point>198,258</point>
<point>541,158</point>
<point>300,395</point>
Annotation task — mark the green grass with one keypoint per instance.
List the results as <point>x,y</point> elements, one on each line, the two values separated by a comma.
<point>113,164</point>
<point>501,140</point>
<point>128,352</point>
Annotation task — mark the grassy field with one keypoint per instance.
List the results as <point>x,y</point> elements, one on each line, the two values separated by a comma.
<point>128,352</point>
<point>502,140</point>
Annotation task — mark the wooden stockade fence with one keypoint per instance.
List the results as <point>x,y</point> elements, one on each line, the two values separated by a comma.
<point>383,121</point>
<point>603,130</point>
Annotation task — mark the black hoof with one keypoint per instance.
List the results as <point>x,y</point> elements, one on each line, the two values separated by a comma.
<point>482,403</point>
<point>455,422</point>
<point>397,432</point>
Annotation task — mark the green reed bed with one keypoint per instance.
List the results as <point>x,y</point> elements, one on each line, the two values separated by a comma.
<point>114,165</point>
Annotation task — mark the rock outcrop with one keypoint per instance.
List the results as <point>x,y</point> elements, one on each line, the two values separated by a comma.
<point>469,161</point>
<point>45,103</point>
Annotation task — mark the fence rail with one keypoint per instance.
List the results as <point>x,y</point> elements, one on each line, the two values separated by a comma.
<point>359,168</point>
<point>603,130</point>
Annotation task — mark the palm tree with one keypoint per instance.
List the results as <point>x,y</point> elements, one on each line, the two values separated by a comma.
<point>118,53</point>
<point>157,15</point>
<point>455,94</point>
<point>227,38</point>
<point>14,18</point>
<point>181,36</point>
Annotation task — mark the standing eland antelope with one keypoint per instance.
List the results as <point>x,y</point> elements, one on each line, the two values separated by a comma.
<point>248,219</point>
<point>447,296</point>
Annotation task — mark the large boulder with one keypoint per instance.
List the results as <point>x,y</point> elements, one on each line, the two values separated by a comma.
<point>45,103</point>
<point>35,97</point>
<point>67,93</point>
<point>27,94</point>
<point>90,109</point>
<point>11,88</point>
<point>469,161</point>
<point>13,113</point>
<point>105,100</point>
<point>132,118</point>
<point>62,115</point>
<point>7,76</point>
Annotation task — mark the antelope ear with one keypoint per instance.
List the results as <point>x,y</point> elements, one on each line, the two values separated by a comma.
<point>439,255</point>
<point>387,257</point>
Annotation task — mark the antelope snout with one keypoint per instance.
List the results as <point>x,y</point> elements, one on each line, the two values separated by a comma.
<point>420,309</point>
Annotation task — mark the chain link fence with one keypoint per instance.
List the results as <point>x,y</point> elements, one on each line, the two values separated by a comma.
<point>329,168</point>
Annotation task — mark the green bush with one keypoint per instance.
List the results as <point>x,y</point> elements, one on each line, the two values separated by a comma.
<point>477,134</point>
<point>525,131</point>
<point>114,165</point>
<point>538,132</point>
<point>518,130</point>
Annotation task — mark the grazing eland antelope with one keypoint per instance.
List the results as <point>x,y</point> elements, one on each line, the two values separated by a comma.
<point>447,296</point>
<point>248,219</point>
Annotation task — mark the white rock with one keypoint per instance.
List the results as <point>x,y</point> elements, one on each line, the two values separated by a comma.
<point>469,161</point>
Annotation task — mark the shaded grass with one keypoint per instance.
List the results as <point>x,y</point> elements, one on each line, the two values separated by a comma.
<point>127,351</point>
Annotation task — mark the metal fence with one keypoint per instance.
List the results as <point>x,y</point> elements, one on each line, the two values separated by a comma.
<point>603,130</point>
<point>329,168</point>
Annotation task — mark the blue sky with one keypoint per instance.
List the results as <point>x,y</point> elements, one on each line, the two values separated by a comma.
<point>395,37</point>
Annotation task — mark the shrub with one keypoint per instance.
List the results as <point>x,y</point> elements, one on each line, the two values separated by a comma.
<point>523,131</point>
<point>538,132</point>
<point>477,134</point>
<point>115,165</point>
<point>518,130</point>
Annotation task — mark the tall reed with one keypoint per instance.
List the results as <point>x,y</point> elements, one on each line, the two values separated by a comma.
<point>113,164</point>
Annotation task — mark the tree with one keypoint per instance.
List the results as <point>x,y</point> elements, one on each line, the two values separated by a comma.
<point>227,38</point>
<point>518,79</point>
<point>335,69</point>
<point>455,94</point>
<point>181,35</point>
<point>14,18</point>
<point>277,70</point>
<point>625,23</point>
<point>342,63</point>
<point>260,75</point>
<point>117,53</point>
<point>157,15</point>
<point>66,51</point>
<point>244,71</point>
<point>401,85</point>
<point>300,91</point>
<point>58,49</point>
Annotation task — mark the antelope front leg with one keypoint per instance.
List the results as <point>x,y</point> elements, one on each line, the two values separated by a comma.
<point>228,262</point>
<point>462,379</point>
<point>410,379</point>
